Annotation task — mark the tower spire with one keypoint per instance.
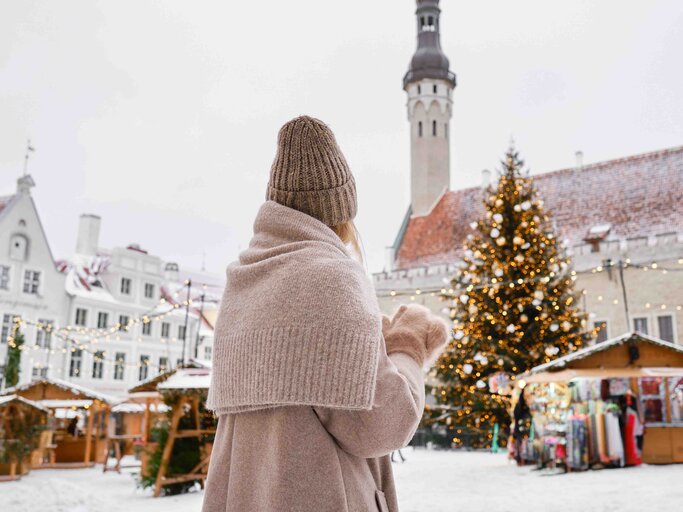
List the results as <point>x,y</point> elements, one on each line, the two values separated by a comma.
<point>429,84</point>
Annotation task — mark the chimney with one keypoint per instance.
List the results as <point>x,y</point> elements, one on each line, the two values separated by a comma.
<point>88,234</point>
<point>390,255</point>
<point>485,179</point>
<point>172,272</point>
<point>579,158</point>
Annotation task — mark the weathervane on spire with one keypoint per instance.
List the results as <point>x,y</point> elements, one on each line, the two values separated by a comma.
<point>29,149</point>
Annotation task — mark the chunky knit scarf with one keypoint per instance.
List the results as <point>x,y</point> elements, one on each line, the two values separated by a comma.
<point>299,322</point>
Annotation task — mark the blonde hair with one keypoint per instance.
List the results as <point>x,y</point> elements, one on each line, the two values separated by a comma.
<point>348,234</point>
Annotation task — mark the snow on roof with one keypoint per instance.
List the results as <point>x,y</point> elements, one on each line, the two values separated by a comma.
<point>12,398</point>
<point>600,229</point>
<point>152,383</point>
<point>187,378</point>
<point>561,362</point>
<point>577,198</point>
<point>135,408</point>
<point>202,363</point>
<point>66,404</point>
<point>69,386</point>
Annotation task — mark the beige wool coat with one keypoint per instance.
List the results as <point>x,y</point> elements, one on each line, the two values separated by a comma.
<point>314,389</point>
<point>304,458</point>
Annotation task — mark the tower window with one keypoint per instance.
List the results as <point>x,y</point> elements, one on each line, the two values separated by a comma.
<point>419,89</point>
<point>427,25</point>
<point>419,129</point>
<point>434,88</point>
<point>434,128</point>
<point>445,130</point>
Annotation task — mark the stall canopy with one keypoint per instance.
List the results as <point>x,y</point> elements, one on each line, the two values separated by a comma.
<point>629,355</point>
<point>65,400</point>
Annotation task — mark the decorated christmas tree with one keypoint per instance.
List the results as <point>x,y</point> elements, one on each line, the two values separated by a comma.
<point>513,307</point>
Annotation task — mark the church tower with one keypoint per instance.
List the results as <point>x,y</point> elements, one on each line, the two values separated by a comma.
<point>429,85</point>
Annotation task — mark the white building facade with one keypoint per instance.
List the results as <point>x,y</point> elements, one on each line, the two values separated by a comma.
<point>30,285</point>
<point>105,318</point>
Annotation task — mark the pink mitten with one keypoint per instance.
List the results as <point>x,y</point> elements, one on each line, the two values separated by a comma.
<point>415,331</point>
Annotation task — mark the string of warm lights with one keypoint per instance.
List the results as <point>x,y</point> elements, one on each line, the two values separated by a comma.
<point>453,292</point>
<point>143,318</point>
<point>75,345</point>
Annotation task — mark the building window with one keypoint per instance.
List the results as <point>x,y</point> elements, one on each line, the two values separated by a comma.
<point>149,291</point>
<point>7,325</point>
<point>601,335</point>
<point>666,327</point>
<point>207,352</point>
<point>31,281</point>
<point>81,316</point>
<point>4,277</point>
<point>75,364</point>
<point>640,325</point>
<point>119,365</point>
<point>419,129</point>
<point>435,89</point>
<point>163,364</point>
<point>182,330</point>
<point>445,130</point>
<point>125,286</point>
<point>39,372</point>
<point>123,322</point>
<point>144,367</point>
<point>102,320</point>
<point>419,89</point>
<point>147,328</point>
<point>165,329</point>
<point>97,364</point>
<point>19,248</point>
<point>44,333</point>
<point>434,128</point>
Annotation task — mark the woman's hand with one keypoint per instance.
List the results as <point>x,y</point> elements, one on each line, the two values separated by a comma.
<point>415,331</point>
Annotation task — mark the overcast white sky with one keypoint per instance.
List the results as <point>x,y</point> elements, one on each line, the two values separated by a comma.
<point>162,116</point>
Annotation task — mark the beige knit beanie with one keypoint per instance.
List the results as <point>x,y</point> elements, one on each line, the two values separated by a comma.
<point>310,174</point>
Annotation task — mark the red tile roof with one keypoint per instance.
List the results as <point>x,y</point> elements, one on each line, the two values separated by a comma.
<point>638,196</point>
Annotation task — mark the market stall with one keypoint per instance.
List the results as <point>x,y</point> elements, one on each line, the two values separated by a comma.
<point>130,425</point>
<point>185,393</point>
<point>77,423</point>
<point>613,404</point>
<point>21,422</point>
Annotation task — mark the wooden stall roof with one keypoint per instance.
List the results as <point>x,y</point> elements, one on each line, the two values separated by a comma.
<point>629,355</point>
<point>9,399</point>
<point>152,383</point>
<point>59,390</point>
<point>137,408</point>
<point>187,378</point>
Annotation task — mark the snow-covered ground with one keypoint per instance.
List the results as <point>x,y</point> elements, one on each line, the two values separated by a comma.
<point>429,481</point>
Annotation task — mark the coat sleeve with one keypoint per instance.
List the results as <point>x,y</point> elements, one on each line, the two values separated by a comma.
<point>395,414</point>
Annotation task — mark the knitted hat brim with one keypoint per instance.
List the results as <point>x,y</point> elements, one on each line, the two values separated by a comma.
<point>332,206</point>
